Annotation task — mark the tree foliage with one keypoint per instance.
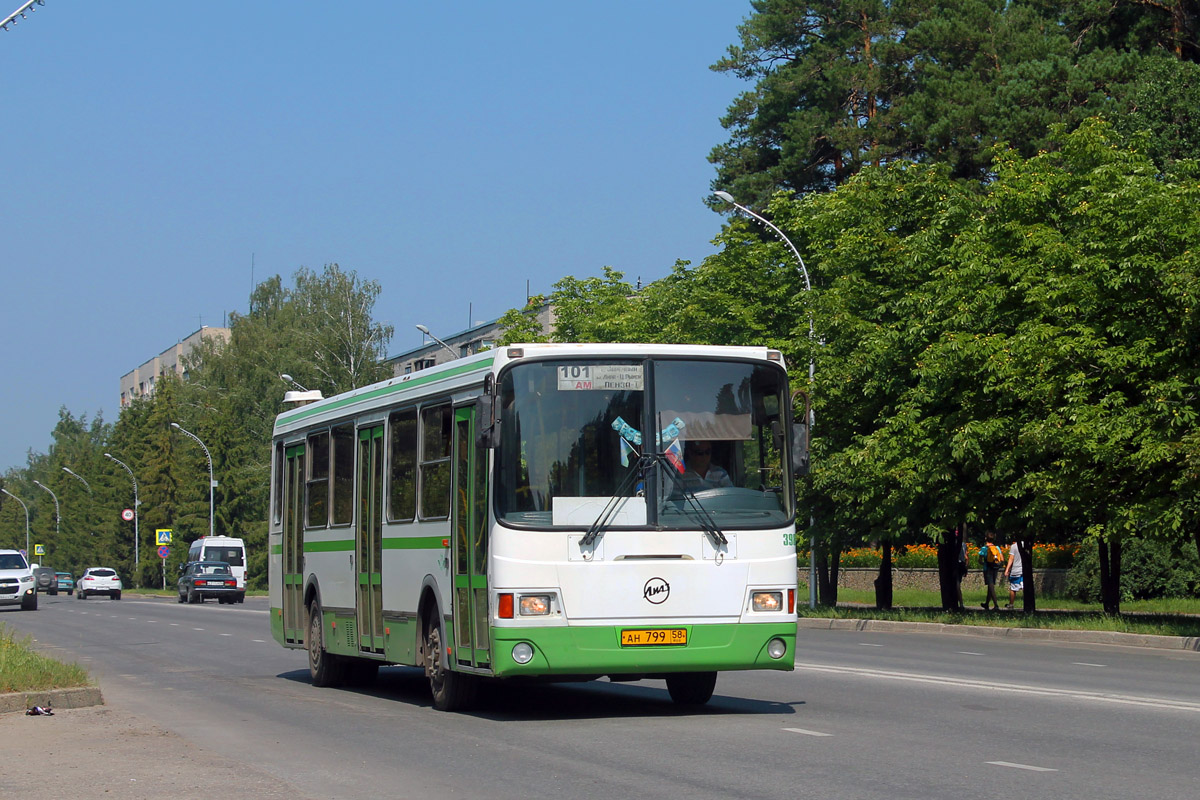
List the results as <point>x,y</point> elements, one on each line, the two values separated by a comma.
<point>320,330</point>
<point>838,86</point>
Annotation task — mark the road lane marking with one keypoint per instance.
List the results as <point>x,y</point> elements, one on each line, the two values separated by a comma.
<point>868,644</point>
<point>197,629</point>
<point>968,653</point>
<point>1029,767</point>
<point>225,634</point>
<point>807,733</point>
<point>260,641</point>
<point>1086,664</point>
<point>964,683</point>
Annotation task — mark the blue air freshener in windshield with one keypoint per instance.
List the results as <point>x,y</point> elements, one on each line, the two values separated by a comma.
<point>627,431</point>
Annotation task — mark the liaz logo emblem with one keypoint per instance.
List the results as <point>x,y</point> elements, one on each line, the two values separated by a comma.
<point>656,590</point>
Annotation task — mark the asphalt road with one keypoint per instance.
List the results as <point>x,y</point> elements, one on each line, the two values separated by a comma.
<point>865,715</point>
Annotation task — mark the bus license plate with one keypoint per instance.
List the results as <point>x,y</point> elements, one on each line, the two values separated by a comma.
<point>653,636</point>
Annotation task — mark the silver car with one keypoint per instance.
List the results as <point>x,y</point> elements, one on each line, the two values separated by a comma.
<point>98,580</point>
<point>17,581</point>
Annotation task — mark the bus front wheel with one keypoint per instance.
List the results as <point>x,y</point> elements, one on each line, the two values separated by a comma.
<point>691,688</point>
<point>451,690</point>
<point>324,668</point>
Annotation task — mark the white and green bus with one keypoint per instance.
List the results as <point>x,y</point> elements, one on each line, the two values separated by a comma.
<point>542,511</point>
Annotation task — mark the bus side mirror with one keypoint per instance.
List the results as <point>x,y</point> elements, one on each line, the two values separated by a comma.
<point>487,426</point>
<point>800,448</point>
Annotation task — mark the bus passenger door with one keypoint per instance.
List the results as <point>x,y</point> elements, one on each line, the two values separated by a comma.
<point>294,624</point>
<point>469,523</point>
<point>368,548</point>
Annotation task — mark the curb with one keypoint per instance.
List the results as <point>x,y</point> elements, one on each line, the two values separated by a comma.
<point>1030,634</point>
<point>54,698</point>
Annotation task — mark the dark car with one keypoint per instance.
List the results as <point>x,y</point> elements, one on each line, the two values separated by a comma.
<point>45,580</point>
<point>203,579</point>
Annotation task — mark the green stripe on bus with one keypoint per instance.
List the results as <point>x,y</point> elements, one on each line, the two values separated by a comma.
<point>393,543</point>
<point>320,408</point>
<point>414,543</point>
<point>328,547</point>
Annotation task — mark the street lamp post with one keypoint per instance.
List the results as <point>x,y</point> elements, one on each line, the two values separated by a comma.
<point>447,347</point>
<point>136,502</point>
<point>22,502</point>
<point>87,485</point>
<point>728,198</point>
<point>212,484</point>
<point>57,514</point>
<point>290,380</point>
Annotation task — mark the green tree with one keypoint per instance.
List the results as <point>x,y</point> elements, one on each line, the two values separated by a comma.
<point>841,86</point>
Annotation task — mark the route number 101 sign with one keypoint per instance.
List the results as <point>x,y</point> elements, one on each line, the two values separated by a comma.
<point>600,378</point>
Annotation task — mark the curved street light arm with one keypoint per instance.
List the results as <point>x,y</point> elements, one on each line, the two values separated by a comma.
<point>136,503</point>
<point>728,198</point>
<point>57,512</point>
<point>211,483</point>
<point>22,502</point>
<point>79,477</point>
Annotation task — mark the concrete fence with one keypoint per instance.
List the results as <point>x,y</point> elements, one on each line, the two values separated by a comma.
<point>1046,581</point>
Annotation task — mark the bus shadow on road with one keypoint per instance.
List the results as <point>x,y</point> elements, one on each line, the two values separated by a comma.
<point>534,700</point>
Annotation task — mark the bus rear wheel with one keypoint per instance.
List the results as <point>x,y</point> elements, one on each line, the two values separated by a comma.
<point>691,688</point>
<point>324,668</point>
<point>451,690</point>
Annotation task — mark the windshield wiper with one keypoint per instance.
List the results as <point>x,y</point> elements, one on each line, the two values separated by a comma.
<point>610,508</point>
<point>707,523</point>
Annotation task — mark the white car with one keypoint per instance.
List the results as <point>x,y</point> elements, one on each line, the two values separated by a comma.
<point>98,580</point>
<point>16,581</point>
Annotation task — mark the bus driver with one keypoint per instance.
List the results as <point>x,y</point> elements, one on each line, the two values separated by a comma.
<point>700,472</point>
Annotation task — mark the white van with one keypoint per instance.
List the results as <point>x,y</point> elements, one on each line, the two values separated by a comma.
<point>223,548</point>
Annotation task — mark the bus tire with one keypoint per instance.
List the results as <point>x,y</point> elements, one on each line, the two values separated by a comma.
<point>691,688</point>
<point>451,690</point>
<point>324,668</point>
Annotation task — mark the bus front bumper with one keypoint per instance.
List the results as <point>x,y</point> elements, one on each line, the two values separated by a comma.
<point>597,650</point>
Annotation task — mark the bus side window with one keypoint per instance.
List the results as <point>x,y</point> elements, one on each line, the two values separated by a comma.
<point>436,426</point>
<point>343,475</point>
<point>317,485</point>
<point>277,486</point>
<point>402,469</point>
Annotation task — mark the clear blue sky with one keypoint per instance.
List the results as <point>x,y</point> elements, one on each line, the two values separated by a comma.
<point>152,151</point>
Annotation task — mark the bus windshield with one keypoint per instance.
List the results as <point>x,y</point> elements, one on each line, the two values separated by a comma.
<point>674,438</point>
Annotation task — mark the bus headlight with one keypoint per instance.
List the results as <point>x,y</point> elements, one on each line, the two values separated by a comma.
<point>522,653</point>
<point>535,605</point>
<point>767,601</point>
<point>776,648</point>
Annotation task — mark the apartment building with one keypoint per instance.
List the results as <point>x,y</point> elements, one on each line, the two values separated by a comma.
<point>140,382</point>
<point>462,343</point>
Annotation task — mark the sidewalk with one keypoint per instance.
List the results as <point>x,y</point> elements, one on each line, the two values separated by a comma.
<point>102,751</point>
<point>1027,634</point>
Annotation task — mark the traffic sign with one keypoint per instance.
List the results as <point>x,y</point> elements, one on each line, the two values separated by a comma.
<point>127,515</point>
<point>39,549</point>
<point>163,535</point>
<point>164,551</point>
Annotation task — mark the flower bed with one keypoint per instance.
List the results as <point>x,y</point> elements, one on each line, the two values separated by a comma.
<point>924,556</point>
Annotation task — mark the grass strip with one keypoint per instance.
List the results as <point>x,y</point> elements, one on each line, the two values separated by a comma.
<point>1159,618</point>
<point>23,670</point>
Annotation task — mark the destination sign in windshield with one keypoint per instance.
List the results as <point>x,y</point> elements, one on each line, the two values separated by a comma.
<point>600,378</point>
